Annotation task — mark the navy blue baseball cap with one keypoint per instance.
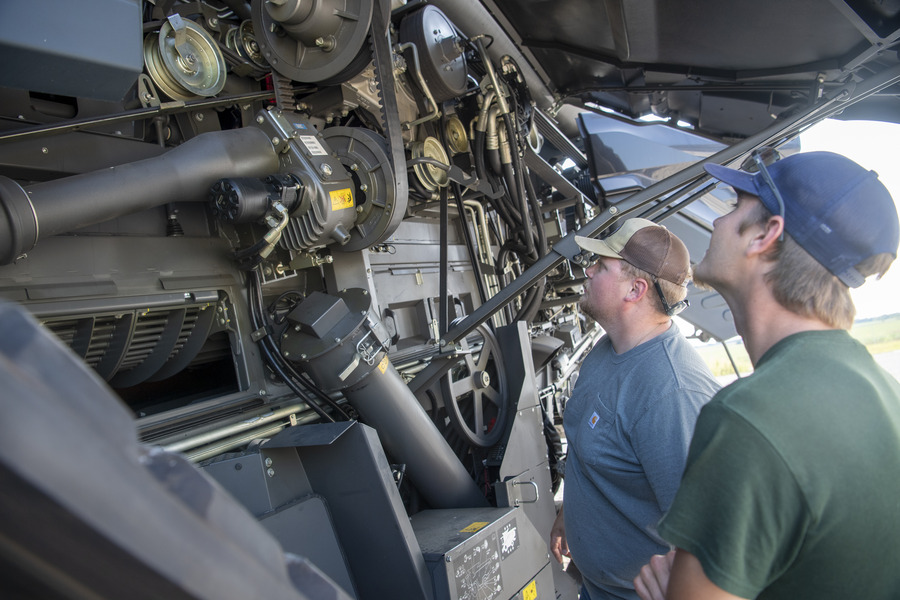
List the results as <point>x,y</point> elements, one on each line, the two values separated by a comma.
<point>839,212</point>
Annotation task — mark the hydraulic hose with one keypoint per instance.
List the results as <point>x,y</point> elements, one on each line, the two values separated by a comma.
<point>520,186</point>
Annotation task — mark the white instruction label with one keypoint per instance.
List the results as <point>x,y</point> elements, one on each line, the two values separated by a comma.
<point>312,144</point>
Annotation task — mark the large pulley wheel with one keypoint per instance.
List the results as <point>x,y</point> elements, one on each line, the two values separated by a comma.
<point>475,393</point>
<point>365,154</point>
<point>312,41</point>
<point>440,52</point>
<point>184,63</point>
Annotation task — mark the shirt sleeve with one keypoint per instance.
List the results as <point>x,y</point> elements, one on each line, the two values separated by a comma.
<point>739,509</point>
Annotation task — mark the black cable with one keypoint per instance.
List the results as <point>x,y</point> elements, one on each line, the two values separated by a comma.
<point>536,299</point>
<point>252,250</point>
<point>520,184</point>
<point>509,177</point>
<point>467,235</point>
<point>478,147</point>
<point>287,373</point>
<point>273,306</point>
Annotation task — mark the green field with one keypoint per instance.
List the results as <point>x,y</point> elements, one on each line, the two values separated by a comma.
<point>879,335</point>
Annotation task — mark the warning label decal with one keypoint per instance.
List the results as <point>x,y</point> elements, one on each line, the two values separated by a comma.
<point>341,199</point>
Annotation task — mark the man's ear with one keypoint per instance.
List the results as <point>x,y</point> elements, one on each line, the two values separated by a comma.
<point>765,239</point>
<point>639,287</point>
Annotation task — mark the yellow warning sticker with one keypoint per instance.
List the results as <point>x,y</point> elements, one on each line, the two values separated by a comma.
<point>530,591</point>
<point>475,527</point>
<point>382,366</point>
<point>341,199</point>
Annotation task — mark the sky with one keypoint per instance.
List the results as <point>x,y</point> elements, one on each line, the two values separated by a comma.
<point>874,146</point>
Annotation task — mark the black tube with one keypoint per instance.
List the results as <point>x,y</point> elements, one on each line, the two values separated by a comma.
<point>494,159</point>
<point>183,174</point>
<point>520,185</point>
<point>240,8</point>
<point>509,214</point>
<point>478,144</point>
<point>536,209</point>
<point>408,435</point>
<point>443,304</point>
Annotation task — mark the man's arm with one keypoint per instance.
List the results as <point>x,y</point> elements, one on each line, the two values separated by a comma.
<point>677,576</point>
<point>558,545</point>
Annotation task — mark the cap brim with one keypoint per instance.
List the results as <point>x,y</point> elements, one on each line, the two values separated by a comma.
<point>739,180</point>
<point>596,246</point>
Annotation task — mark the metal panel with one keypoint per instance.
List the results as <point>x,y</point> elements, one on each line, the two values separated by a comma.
<point>305,528</point>
<point>49,46</point>
<point>346,465</point>
<point>479,554</point>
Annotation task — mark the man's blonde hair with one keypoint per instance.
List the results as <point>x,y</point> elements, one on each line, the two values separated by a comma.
<point>802,285</point>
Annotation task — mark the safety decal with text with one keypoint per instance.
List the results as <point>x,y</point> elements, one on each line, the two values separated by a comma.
<point>382,366</point>
<point>341,199</point>
<point>475,527</point>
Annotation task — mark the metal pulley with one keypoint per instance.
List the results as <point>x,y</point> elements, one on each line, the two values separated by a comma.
<point>183,60</point>
<point>379,211</point>
<point>440,49</point>
<point>457,138</point>
<point>431,177</point>
<point>242,40</point>
<point>313,41</point>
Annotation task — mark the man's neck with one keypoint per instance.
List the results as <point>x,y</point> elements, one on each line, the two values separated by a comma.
<point>627,335</point>
<point>762,322</point>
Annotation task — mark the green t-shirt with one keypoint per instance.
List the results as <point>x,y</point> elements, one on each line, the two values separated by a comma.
<point>792,484</point>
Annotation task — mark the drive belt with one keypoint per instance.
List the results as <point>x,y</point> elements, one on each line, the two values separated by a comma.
<point>384,75</point>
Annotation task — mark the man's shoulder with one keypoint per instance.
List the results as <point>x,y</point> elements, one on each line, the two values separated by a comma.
<point>689,370</point>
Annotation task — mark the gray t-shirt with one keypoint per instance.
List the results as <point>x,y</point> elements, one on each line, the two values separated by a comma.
<point>628,426</point>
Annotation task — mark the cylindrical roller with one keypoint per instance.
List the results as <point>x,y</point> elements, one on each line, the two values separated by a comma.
<point>340,344</point>
<point>408,434</point>
<point>183,174</point>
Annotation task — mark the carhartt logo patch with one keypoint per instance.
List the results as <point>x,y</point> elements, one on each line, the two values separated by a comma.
<point>594,418</point>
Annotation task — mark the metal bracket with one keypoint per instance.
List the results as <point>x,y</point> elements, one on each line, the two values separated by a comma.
<point>181,45</point>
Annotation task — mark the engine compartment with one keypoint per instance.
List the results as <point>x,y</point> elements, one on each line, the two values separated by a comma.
<point>335,237</point>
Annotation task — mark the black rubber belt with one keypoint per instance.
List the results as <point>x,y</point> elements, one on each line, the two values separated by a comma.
<point>384,72</point>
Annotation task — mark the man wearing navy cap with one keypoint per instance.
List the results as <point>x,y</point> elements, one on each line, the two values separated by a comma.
<point>792,485</point>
